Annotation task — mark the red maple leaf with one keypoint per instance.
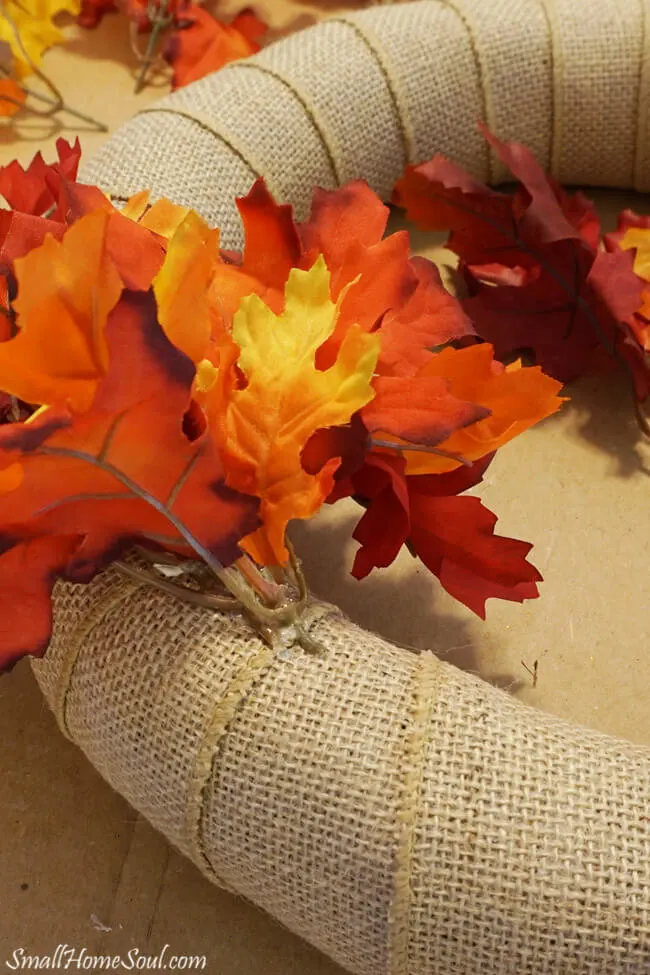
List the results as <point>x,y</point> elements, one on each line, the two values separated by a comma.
<point>558,295</point>
<point>34,190</point>
<point>452,535</point>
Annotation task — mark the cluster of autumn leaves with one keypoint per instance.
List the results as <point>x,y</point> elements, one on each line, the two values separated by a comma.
<point>194,42</point>
<point>159,390</point>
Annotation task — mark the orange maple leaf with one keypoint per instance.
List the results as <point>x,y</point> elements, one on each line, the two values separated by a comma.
<point>121,472</point>
<point>66,290</point>
<point>202,44</point>
<point>515,397</point>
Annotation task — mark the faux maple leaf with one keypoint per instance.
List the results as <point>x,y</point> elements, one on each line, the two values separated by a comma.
<point>95,477</point>
<point>35,190</point>
<point>514,399</point>
<point>453,536</point>
<point>27,27</point>
<point>557,294</point>
<point>201,44</point>
<point>399,297</point>
<point>199,401</point>
<point>633,233</point>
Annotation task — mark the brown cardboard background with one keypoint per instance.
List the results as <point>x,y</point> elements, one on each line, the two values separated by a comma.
<point>75,857</point>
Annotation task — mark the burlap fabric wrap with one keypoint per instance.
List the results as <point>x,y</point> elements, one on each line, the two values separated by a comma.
<point>399,814</point>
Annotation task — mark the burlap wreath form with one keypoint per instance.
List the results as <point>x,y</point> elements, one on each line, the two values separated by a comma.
<point>401,815</point>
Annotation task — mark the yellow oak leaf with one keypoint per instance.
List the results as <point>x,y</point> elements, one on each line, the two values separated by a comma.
<point>266,424</point>
<point>27,27</point>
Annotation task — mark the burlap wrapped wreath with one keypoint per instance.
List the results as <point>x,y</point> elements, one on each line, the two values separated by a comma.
<point>399,814</point>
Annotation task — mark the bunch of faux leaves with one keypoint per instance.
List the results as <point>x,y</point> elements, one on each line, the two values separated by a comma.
<point>192,39</point>
<point>162,392</point>
<point>27,29</point>
<point>540,279</point>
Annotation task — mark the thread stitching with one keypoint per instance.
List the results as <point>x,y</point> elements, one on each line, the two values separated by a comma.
<point>641,181</point>
<point>227,708</point>
<point>557,63</point>
<point>209,126</point>
<point>425,693</point>
<point>311,112</point>
<point>77,639</point>
<point>551,55</point>
<point>398,102</point>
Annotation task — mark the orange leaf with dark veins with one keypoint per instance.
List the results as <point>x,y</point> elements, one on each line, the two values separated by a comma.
<point>124,471</point>
<point>66,290</point>
<point>418,409</point>
<point>135,250</point>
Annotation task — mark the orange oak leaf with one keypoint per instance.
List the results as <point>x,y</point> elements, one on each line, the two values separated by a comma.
<point>202,44</point>
<point>123,471</point>
<point>136,251</point>
<point>286,399</point>
<point>66,290</point>
<point>514,398</point>
<point>419,409</point>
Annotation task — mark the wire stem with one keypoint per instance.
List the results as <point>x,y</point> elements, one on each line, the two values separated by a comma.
<point>421,448</point>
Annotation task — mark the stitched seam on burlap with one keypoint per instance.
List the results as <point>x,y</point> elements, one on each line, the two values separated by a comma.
<point>75,644</point>
<point>557,69</point>
<point>392,86</point>
<point>312,113</point>
<point>481,70</point>
<point>227,708</point>
<point>551,55</point>
<point>208,125</point>
<point>641,149</point>
<point>428,675</point>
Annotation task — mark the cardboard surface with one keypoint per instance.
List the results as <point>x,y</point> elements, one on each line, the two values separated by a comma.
<point>79,867</point>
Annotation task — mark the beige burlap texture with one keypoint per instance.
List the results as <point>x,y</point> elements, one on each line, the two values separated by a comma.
<point>363,94</point>
<point>401,815</point>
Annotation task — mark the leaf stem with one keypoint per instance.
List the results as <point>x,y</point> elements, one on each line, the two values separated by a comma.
<point>421,448</point>
<point>230,577</point>
<point>159,23</point>
<point>56,100</point>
